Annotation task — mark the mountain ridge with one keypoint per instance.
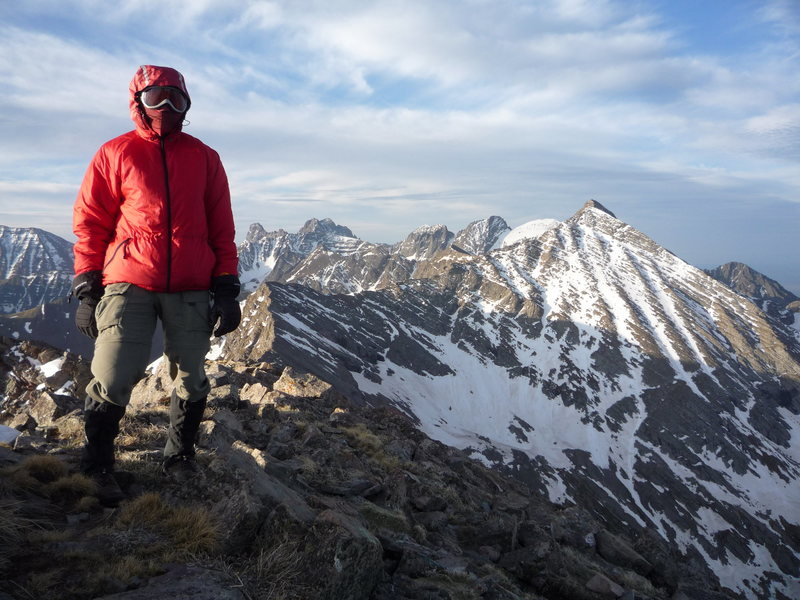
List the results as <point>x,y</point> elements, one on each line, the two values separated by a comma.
<point>666,374</point>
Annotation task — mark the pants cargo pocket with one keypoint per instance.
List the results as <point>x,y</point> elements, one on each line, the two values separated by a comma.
<point>125,313</point>
<point>111,308</point>
<point>196,311</point>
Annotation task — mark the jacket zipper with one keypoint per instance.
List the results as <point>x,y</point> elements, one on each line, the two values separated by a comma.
<point>124,245</point>
<point>169,213</point>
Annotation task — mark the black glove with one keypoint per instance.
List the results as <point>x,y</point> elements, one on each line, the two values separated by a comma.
<point>88,288</point>
<point>225,311</point>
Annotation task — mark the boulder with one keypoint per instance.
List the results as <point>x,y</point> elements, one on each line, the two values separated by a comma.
<point>345,560</point>
<point>254,393</point>
<point>8,434</point>
<point>154,389</point>
<point>300,384</point>
<point>604,586</point>
<point>47,407</point>
<point>245,461</point>
<point>615,550</point>
<point>184,582</point>
<point>226,396</point>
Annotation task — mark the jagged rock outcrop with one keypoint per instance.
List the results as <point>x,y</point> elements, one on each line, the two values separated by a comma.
<point>424,242</point>
<point>767,293</point>
<point>312,497</point>
<point>771,297</point>
<point>481,236</point>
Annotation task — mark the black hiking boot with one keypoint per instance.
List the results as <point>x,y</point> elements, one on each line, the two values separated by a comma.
<point>108,491</point>
<point>184,423</point>
<point>181,469</point>
<point>102,427</point>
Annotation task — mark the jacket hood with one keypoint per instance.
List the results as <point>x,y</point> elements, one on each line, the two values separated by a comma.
<point>146,76</point>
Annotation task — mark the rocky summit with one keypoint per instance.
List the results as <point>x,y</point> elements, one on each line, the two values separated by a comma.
<point>302,495</point>
<point>587,360</point>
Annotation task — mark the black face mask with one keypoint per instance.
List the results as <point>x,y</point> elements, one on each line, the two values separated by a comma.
<point>163,120</point>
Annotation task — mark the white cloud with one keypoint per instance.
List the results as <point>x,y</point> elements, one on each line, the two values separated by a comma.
<point>784,15</point>
<point>43,72</point>
<point>403,111</point>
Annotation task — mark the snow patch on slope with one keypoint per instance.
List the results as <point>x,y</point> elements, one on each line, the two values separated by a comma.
<point>529,230</point>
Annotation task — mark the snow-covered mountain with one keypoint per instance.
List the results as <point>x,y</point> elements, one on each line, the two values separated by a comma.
<point>35,267</point>
<point>585,358</point>
<point>330,259</point>
<point>277,253</point>
<point>769,295</point>
<point>766,292</point>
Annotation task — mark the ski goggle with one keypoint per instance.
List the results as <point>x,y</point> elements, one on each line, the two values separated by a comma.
<point>158,96</point>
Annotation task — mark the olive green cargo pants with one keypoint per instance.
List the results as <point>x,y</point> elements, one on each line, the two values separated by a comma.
<point>126,320</point>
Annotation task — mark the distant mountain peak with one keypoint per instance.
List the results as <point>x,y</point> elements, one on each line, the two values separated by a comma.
<point>480,236</point>
<point>748,282</point>
<point>596,205</point>
<point>255,232</point>
<point>427,230</point>
<point>425,241</point>
<point>325,226</point>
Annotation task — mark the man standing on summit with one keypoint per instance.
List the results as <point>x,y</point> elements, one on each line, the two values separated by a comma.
<point>155,241</point>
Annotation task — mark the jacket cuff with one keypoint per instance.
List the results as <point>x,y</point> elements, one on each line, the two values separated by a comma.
<point>225,286</point>
<point>88,286</point>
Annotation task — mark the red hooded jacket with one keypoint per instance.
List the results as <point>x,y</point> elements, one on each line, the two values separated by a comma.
<point>153,211</point>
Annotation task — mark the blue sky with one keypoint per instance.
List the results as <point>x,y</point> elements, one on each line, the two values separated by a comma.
<point>682,117</point>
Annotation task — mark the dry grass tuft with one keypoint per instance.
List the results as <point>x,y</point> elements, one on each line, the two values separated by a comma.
<point>361,437</point>
<point>11,524</point>
<point>35,472</point>
<point>309,466</point>
<point>46,536</point>
<point>87,504</point>
<point>71,489</point>
<point>193,529</point>
<point>147,509</point>
<point>42,584</point>
<point>371,444</point>
<point>22,479</point>
<point>44,468</point>
<point>138,433</point>
<point>13,529</point>
<point>190,529</point>
<point>275,572</point>
<point>127,567</point>
<point>633,581</point>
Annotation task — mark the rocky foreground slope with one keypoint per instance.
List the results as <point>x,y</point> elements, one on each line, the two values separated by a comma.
<point>303,496</point>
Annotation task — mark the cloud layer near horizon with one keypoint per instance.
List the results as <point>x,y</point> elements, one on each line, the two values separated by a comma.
<point>388,115</point>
